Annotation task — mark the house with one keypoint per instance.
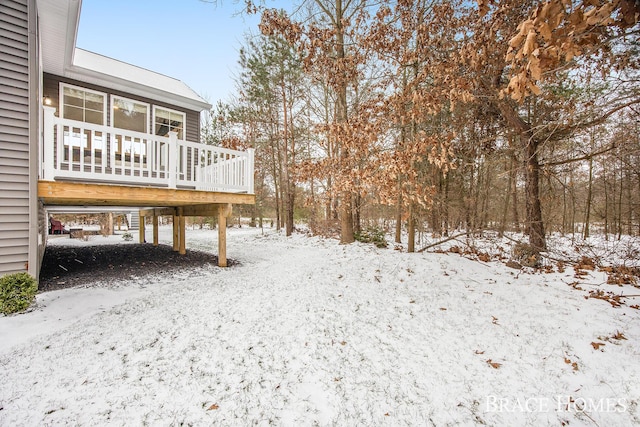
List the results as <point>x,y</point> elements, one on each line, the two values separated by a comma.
<point>80,130</point>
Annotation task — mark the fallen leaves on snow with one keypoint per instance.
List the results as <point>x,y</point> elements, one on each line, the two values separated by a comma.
<point>494,365</point>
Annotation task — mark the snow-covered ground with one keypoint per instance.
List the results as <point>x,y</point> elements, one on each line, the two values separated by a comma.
<point>308,332</point>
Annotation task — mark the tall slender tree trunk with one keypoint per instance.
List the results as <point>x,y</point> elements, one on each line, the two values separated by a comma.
<point>587,214</point>
<point>398,236</point>
<point>411,229</point>
<point>514,192</point>
<point>288,196</point>
<point>274,172</point>
<point>505,206</point>
<point>357,213</point>
<point>445,207</point>
<point>620,192</point>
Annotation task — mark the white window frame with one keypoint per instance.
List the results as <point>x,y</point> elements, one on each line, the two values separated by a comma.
<point>182,113</point>
<point>114,97</point>
<point>104,95</point>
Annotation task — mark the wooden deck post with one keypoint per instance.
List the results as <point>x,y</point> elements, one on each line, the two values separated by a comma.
<point>183,245</point>
<point>223,212</point>
<point>155,229</point>
<point>176,234</point>
<point>142,229</point>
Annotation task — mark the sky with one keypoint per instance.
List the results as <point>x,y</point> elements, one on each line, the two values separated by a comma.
<point>191,40</point>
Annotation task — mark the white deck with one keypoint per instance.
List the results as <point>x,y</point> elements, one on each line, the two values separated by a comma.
<point>78,151</point>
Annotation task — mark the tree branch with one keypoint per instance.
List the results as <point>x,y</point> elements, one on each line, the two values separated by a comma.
<point>581,158</point>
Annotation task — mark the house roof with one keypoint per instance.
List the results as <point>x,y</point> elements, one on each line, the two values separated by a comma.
<point>58,30</point>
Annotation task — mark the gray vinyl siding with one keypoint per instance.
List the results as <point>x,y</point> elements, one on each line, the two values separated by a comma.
<point>14,136</point>
<point>51,88</point>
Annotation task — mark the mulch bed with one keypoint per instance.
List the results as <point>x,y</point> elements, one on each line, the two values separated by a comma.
<point>66,266</point>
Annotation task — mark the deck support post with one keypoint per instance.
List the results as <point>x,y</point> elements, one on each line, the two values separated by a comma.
<point>223,212</point>
<point>183,247</point>
<point>176,234</point>
<point>155,229</point>
<point>141,229</point>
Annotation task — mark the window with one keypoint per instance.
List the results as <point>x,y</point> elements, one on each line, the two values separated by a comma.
<point>86,106</point>
<point>83,105</point>
<point>165,121</point>
<point>129,114</point>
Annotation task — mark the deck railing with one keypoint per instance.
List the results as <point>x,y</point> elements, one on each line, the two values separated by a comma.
<point>88,152</point>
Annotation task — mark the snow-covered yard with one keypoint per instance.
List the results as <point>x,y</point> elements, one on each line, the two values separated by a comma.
<point>308,332</point>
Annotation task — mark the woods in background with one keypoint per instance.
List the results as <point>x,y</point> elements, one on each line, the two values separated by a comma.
<point>442,116</point>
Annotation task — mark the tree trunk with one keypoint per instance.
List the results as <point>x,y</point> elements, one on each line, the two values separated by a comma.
<point>621,190</point>
<point>398,237</point>
<point>514,192</point>
<point>529,146</point>
<point>357,212</point>
<point>587,214</point>
<point>505,206</point>
<point>346,219</point>
<point>287,196</point>
<point>445,207</point>
<point>346,209</point>
<point>411,230</point>
<point>535,225</point>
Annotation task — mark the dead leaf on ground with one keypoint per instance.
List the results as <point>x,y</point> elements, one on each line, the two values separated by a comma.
<point>494,365</point>
<point>597,345</point>
<point>618,336</point>
<point>479,351</point>
<point>573,364</point>
<point>213,407</point>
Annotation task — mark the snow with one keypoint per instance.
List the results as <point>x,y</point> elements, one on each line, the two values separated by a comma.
<point>309,332</point>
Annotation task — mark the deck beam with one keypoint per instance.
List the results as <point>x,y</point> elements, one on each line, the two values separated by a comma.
<point>63,193</point>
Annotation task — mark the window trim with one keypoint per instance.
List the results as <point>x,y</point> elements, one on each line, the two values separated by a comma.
<point>182,113</point>
<point>112,101</point>
<point>84,89</point>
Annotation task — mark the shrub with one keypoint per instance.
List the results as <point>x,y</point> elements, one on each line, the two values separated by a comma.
<point>527,255</point>
<point>17,292</point>
<point>372,235</point>
<point>127,236</point>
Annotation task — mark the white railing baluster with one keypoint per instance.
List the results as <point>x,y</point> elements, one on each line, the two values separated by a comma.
<point>172,163</point>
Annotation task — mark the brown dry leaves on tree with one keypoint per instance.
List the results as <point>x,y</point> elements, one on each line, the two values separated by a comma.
<point>439,66</point>
<point>560,30</point>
